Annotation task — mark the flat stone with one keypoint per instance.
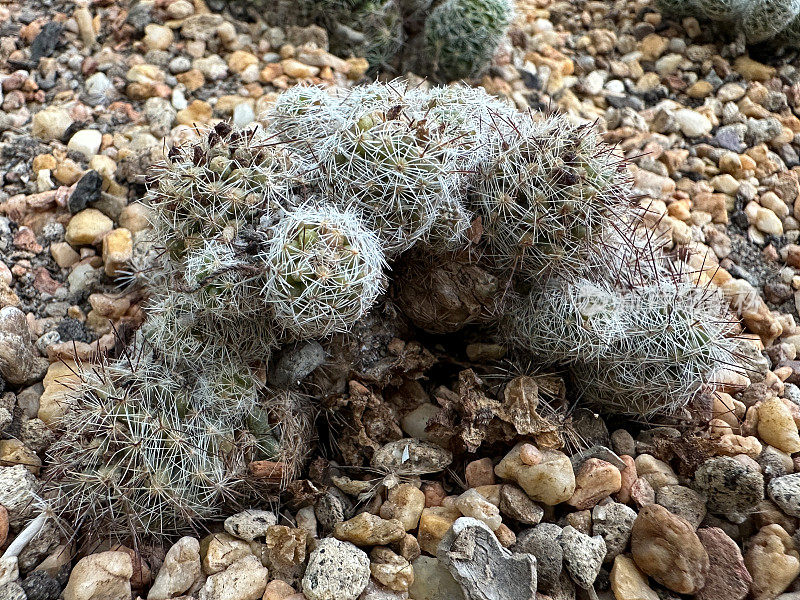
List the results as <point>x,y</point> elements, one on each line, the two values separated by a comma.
<point>484,569</point>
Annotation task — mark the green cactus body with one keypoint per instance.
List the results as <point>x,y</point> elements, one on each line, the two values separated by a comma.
<point>463,35</point>
<point>324,272</point>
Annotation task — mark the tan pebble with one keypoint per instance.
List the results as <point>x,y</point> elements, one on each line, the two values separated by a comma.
<point>530,454</point>
<point>117,251</point>
<point>87,227</point>
<point>777,427</point>
<point>63,254</point>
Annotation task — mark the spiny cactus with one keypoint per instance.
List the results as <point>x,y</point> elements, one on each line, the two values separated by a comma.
<point>206,189</point>
<point>567,323</point>
<point>546,193</point>
<point>463,35</point>
<point>324,271</point>
<point>668,339</point>
<point>386,167</point>
<point>130,462</point>
<point>757,20</point>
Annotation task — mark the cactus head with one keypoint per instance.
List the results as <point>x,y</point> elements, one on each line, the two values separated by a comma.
<point>546,193</point>
<point>385,166</point>
<point>675,335</point>
<point>324,271</point>
<point>463,35</point>
<point>208,188</point>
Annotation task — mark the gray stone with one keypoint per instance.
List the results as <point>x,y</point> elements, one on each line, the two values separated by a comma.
<point>772,463</point>
<point>729,487</point>
<point>542,542</point>
<point>484,569</point>
<point>623,443</point>
<point>18,359</point>
<point>515,503</point>
<point>684,502</point>
<point>296,363</point>
<point>613,522</point>
<point>12,591</point>
<point>250,524</point>
<point>336,571</point>
<point>39,585</point>
<point>17,489</point>
<point>583,555</point>
<point>785,492</point>
<point>331,508</point>
<point>160,114</point>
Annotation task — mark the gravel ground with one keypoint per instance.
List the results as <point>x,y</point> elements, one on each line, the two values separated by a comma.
<point>93,95</point>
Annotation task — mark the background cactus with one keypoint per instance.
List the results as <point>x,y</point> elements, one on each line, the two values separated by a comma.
<point>443,39</point>
<point>463,35</point>
<point>757,20</point>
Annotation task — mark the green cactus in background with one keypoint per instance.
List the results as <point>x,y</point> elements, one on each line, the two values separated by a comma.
<point>757,20</point>
<point>463,35</point>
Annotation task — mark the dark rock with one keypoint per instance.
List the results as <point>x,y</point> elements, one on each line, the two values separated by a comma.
<point>47,40</point>
<point>86,191</point>
<point>40,586</point>
<point>296,363</point>
<point>625,101</point>
<point>531,80</point>
<point>542,542</point>
<point>71,329</point>
<point>140,15</point>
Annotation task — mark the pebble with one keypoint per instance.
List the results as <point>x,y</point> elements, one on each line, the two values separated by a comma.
<point>404,503</point>
<point>86,142</point>
<point>250,524</point>
<point>51,123</point>
<point>542,542</point>
<point>472,504</point>
<point>656,472</point>
<point>727,577</point>
<point>692,123</point>
<point>212,66</point>
<point>411,456</point>
<point>483,567</point>
<point>550,482</point>
<point>772,561</point>
<point>434,523</point>
<point>181,568</point>
<point>391,570</point>
<point>667,548</point>
<point>628,582</point>
<point>98,89</point>
<point>19,361</point>
<point>684,502</point>
<point>336,570</point>
<point>101,576</point>
<point>218,551</point>
<point>516,504</point>
<point>613,522</point>
<point>157,37</point>
<point>87,227</point>
<point>785,492</point>
<point>776,425</point>
<point>366,529</point>
<point>729,486</point>
<point>432,581</point>
<point>583,555</point>
<point>596,480</point>
<point>245,579</point>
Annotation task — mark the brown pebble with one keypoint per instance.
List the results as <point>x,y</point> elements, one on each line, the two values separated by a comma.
<point>530,454</point>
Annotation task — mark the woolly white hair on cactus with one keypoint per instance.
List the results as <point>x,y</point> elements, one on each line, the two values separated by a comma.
<point>324,271</point>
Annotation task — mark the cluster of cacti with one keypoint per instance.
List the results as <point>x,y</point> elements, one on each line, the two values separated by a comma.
<point>757,20</point>
<point>444,39</point>
<point>285,233</point>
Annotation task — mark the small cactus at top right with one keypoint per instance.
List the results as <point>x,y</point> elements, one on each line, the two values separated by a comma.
<point>463,35</point>
<point>757,21</point>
